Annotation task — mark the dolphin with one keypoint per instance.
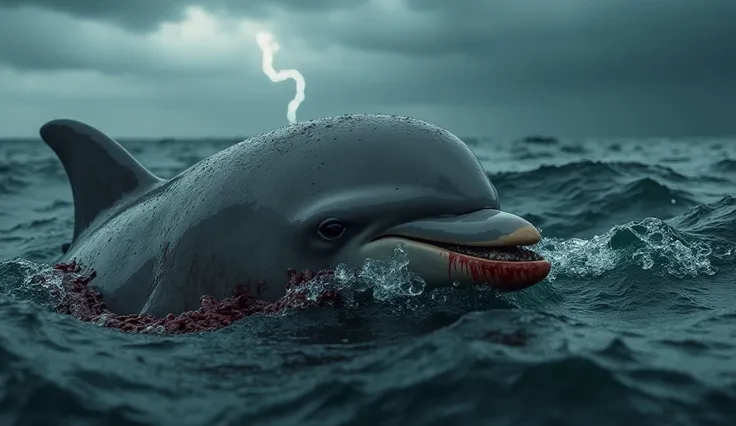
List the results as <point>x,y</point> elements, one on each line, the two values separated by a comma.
<point>311,195</point>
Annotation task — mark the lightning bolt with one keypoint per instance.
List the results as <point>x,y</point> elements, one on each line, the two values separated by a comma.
<point>269,47</point>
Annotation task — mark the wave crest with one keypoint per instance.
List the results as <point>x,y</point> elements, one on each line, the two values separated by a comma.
<point>676,248</point>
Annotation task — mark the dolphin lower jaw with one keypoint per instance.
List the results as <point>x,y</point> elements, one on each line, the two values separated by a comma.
<point>484,247</point>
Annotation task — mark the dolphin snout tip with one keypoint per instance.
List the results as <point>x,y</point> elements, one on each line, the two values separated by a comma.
<point>526,235</point>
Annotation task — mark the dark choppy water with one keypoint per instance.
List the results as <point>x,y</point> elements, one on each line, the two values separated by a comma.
<point>636,324</point>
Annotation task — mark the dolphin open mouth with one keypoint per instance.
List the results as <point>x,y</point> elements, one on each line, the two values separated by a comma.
<point>502,254</point>
<point>485,247</point>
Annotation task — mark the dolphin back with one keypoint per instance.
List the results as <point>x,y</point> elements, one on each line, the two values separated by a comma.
<point>101,172</point>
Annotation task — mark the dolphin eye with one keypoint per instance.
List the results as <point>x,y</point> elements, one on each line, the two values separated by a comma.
<point>331,229</point>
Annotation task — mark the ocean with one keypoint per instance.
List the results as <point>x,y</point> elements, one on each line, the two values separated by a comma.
<point>636,323</point>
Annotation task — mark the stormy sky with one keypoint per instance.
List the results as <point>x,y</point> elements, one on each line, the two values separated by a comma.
<point>501,68</point>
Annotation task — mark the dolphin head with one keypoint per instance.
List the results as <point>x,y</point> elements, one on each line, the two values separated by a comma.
<point>372,182</point>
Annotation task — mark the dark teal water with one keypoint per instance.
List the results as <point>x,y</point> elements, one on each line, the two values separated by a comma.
<point>635,325</point>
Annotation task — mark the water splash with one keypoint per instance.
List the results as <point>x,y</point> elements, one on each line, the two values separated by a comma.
<point>385,280</point>
<point>651,244</point>
<point>269,47</point>
<point>36,281</point>
<point>65,289</point>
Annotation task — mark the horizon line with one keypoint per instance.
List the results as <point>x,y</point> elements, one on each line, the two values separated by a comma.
<point>464,138</point>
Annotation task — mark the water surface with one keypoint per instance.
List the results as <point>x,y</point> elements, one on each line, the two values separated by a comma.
<point>635,325</point>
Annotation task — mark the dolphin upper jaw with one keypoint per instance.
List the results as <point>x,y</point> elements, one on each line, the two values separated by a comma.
<point>484,247</point>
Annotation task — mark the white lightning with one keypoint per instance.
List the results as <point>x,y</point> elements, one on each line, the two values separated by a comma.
<point>269,47</point>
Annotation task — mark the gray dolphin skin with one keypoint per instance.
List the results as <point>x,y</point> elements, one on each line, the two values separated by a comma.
<point>310,195</point>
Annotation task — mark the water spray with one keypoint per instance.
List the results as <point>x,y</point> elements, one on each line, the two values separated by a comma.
<point>269,47</point>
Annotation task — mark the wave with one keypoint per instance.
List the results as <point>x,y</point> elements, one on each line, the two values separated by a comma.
<point>727,165</point>
<point>18,172</point>
<point>586,173</point>
<point>686,245</point>
<point>649,269</point>
<point>587,196</point>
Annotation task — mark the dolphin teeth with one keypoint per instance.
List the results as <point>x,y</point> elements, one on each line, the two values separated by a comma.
<point>509,254</point>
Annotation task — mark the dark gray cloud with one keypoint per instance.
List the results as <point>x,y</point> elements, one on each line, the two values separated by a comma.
<point>134,14</point>
<point>146,15</point>
<point>567,66</point>
<point>570,43</point>
<point>566,40</point>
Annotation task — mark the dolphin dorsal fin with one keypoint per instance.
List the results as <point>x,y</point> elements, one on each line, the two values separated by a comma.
<point>100,171</point>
